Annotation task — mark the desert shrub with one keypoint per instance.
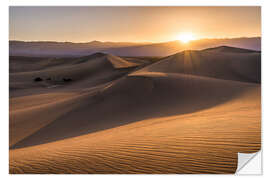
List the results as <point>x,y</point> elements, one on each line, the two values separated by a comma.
<point>38,79</point>
<point>67,79</point>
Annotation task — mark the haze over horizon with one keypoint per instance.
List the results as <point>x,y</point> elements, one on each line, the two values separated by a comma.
<point>132,24</point>
<point>142,42</point>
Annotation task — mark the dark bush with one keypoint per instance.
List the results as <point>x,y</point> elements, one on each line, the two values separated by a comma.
<point>38,79</point>
<point>67,79</point>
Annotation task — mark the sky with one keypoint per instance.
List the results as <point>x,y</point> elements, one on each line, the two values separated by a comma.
<point>131,24</point>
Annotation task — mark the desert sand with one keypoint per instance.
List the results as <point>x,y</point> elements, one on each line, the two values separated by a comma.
<point>190,112</point>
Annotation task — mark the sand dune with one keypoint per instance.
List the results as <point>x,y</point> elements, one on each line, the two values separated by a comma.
<point>136,98</point>
<point>222,63</point>
<point>76,68</point>
<point>203,142</point>
<point>95,69</point>
<point>187,113</point>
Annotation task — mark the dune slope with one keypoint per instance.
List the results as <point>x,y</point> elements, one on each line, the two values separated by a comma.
<point>206,141</point>
<point>134,98</point>
<point>222,63</point>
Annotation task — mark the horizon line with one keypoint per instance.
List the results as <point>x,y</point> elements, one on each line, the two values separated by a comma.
<point>141,42</point>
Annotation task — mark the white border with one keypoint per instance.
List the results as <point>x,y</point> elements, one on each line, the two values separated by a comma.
<point>265,77</point>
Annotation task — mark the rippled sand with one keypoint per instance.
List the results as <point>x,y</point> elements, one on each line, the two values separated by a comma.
<point>202,142</point>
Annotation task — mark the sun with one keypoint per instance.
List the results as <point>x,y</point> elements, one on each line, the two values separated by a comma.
<point>186,37</point>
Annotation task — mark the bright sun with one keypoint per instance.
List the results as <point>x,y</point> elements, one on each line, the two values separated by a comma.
<point>186,37</point>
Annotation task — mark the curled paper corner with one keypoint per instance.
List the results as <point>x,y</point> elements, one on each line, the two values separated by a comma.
<point>249,164</point>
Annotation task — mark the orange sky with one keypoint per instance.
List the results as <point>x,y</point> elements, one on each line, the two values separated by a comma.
<point>133,24</point>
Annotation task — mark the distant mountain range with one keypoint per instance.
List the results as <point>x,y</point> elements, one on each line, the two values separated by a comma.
<point>65,49</point>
